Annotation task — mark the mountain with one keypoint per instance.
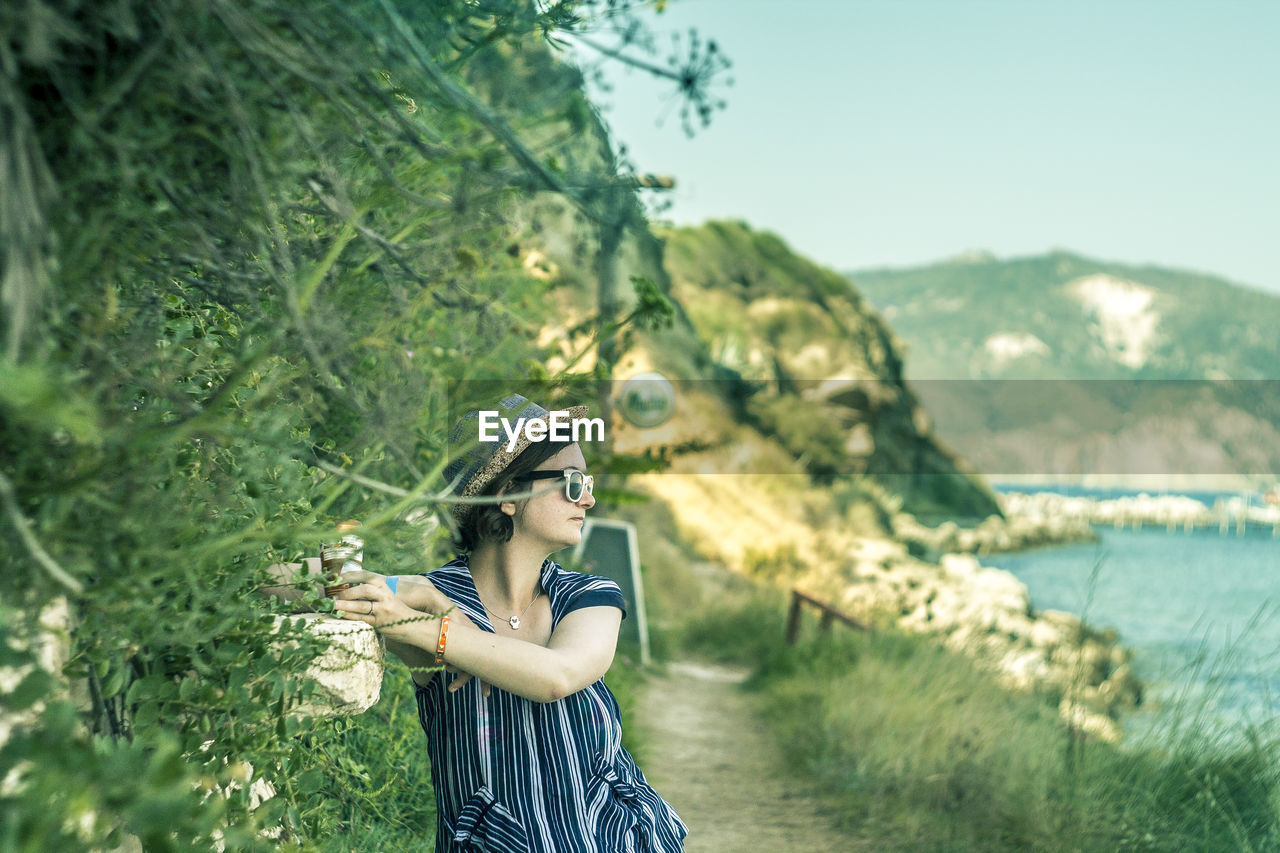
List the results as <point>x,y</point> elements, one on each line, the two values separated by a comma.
<point>1144,373</point>
<point>1065,316</point>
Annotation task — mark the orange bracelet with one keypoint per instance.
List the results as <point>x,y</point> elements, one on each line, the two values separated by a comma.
<point>444,638</point>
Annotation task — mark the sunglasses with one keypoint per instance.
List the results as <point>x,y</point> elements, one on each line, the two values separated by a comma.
<point>576,483</point>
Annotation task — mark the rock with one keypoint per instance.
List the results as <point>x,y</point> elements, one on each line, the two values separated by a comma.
<point>960,565</point>
<point>349,672</point>
<point>1044,634</point>
<point>1090,722</point>
<point>1024,670</point>
<point>1023,526</point>
<point>49,641</point>
<point>885,552</point>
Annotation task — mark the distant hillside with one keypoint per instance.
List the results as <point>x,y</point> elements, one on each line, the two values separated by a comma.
<point>1066,316</point>
<point>1098,335</point>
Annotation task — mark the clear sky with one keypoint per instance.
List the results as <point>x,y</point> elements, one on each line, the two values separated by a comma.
<point>900,132</point>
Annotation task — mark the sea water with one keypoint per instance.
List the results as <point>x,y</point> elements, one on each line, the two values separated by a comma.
<point>1200,610</point>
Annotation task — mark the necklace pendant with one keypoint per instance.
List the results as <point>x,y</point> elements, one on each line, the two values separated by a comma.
<point>514,622</point>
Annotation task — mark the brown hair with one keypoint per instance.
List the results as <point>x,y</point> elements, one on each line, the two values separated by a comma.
<point>488,523</point>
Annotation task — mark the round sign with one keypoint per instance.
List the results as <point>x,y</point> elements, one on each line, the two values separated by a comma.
<point>646,400</point>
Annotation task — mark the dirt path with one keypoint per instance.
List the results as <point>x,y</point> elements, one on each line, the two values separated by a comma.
<point>710,755</point>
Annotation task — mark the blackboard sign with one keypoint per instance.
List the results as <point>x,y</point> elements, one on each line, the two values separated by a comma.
<point>608,548</point>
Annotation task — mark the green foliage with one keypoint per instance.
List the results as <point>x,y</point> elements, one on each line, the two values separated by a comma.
<point>781,564</point>
<point>248,248</point>
<point>73,792</point>
<point>376,779</point>
<point>813,433</point>
<point>653,309</point>
<point>755,263</point>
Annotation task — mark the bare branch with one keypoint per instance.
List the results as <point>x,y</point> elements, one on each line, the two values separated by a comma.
<point>627,59</point>
<point>360,480</point>
<point>23,525</point>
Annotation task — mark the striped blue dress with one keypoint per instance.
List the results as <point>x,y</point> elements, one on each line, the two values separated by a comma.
<point>516,776</point>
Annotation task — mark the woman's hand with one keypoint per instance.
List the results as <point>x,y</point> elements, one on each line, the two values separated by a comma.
<point>463,678</point>
<point>413,590</point>
<point>372,602</point>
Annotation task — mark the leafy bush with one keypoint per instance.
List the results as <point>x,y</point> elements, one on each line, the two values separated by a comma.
<point>246,251</point>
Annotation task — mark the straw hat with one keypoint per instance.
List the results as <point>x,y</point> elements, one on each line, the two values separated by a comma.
<point>479,463</point>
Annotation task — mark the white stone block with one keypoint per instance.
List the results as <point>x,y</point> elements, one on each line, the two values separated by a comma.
<point>350,670</point>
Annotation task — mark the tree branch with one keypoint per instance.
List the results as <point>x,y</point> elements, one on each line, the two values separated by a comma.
<point>627,59</point>
<point>23,525</point>
<point>493,122</point>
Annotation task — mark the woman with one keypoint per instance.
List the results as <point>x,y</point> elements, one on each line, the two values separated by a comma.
<point>536,764</point>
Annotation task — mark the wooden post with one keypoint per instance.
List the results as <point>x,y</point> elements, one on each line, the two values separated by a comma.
<point>829,616</point>
<point>793,619</point>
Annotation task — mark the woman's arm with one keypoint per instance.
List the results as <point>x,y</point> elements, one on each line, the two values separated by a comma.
<point>579,652</point>
<point>418,594</point>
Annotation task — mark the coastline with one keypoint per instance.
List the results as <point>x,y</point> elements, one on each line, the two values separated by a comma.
<point>1047,519</point>
<point>986,614</point>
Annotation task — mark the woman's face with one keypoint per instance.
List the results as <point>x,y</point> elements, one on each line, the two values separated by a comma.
<point>550,516</point>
